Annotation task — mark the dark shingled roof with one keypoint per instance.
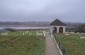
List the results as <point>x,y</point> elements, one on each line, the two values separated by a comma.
<point>58,23</point>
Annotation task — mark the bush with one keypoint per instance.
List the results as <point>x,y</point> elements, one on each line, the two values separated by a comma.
<point>81,28</point>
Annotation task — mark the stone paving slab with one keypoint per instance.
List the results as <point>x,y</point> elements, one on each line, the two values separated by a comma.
<point>51,48</point>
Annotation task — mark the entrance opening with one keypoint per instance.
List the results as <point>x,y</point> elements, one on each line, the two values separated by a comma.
<point>54,30</point>
<point>61,30</point>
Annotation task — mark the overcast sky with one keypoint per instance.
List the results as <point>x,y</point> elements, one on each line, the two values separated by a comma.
<point>42,10</point>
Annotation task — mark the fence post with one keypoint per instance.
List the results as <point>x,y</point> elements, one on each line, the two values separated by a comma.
<point>59,44</point>
<point>63,51</point>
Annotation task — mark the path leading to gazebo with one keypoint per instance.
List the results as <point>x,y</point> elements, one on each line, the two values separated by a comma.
<point>51,48</point>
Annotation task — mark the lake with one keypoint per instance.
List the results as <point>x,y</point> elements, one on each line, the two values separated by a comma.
<point>22,28</point>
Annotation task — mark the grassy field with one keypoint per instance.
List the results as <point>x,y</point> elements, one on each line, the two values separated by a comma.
<point>73,44</point>
<point>22,43</point>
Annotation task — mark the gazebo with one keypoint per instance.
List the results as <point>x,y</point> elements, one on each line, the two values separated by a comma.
<point>57,26</point>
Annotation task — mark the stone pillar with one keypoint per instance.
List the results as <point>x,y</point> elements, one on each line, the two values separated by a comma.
<point>51,31</point>
<point>57,29</point>
<point>64,29</point>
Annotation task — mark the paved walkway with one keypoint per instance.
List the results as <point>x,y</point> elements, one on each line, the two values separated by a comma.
<point>51,48</point>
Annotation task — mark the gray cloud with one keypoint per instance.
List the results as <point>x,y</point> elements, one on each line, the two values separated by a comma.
<point>42,10</point>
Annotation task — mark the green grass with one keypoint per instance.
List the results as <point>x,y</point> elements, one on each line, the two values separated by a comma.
<point>72,44</point>
<point>15,43</point>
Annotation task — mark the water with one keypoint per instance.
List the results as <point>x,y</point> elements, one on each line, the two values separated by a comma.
<point>1,28</point>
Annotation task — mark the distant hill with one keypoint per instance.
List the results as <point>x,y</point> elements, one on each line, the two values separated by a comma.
<point>71,27</point>
<point>24,24</point>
